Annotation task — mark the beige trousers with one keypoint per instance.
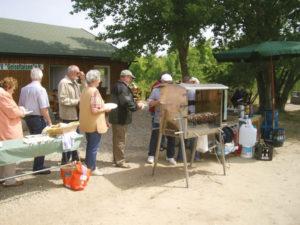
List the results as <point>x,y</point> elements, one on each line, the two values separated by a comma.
<point>8,171</point>
<point>119,142</point>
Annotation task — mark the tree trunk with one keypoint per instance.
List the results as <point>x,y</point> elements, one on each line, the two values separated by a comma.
<point>183,49</point>
<point>263,88</point>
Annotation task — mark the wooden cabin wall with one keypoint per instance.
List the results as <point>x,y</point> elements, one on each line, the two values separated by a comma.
<point>85,64</point>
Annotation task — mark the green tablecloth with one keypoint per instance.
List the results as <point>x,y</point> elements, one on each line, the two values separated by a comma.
<point>14,151</point>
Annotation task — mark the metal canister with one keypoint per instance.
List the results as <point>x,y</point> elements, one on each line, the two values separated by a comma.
<point>242,111</point>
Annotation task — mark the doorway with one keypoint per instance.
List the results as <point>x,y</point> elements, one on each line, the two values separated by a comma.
<point>57,73</point>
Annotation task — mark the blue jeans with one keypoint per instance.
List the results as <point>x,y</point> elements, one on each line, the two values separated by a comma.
<point>163,143</point>
<point>36,124</point>
<point>66,156</point>
<point>92,145</point>
<point>154,140</point>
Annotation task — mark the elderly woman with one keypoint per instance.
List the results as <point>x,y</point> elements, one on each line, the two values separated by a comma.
<point>10,124</point>
<point>92,119</point>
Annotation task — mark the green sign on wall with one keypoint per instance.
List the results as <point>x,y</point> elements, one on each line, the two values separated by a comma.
<point>18,66</point>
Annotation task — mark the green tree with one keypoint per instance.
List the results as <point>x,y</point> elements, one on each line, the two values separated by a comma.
<point>202,65</point>
<point>147,26</point>
<point>253,21</point>
<point>288,74</point>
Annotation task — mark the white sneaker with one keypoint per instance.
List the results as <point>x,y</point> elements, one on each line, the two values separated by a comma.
<point>171,161</point>
<point>150,159</point>
<point>97,172</point>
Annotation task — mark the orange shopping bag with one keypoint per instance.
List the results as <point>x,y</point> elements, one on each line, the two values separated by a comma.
<point>75,176</point>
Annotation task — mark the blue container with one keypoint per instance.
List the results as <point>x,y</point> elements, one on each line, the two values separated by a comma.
<point>266,127</point>
<point>266,133</point>
<point>267,119</point>
<point>247,152</point>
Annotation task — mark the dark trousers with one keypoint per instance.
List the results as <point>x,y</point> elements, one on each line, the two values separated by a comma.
<point>154,140</point>
<point>92,146</point>
<point>119,142</point>
<point>66,156</point>
<point>36,124</point>
<point>189,143</point>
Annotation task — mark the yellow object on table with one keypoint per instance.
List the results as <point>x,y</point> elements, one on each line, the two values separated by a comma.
<point>61,128</point>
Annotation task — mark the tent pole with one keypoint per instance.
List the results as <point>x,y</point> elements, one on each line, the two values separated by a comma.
<point>272,90</point>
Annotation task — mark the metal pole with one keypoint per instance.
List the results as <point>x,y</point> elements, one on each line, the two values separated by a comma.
<point>34,172</point>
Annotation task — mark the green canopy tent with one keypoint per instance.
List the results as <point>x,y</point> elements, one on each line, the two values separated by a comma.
<point>255,52</point>
<point>267,51</point>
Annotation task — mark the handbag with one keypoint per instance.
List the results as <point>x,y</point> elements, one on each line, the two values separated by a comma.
<point>75,176</point>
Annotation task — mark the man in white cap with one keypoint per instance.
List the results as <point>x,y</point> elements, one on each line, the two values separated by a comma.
<point>122,116</point>
<point>154,102</point>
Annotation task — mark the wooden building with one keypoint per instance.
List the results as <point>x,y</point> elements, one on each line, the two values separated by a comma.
<point>24,45</point>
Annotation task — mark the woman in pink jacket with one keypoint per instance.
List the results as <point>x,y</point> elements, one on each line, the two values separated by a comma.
<point>10,124</point>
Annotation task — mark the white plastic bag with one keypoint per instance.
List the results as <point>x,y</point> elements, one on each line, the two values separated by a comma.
<point>202,144</point>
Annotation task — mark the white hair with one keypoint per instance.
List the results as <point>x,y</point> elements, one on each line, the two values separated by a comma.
<point>92,75</point>
<point>195,80</point>
<point>36,74</point>
<point>73,68</point>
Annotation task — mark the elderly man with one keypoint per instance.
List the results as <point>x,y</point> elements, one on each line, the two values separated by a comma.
<point>154,102</point>
<point>122,116</point>
<point>34,98</point>
<point>68,98</point>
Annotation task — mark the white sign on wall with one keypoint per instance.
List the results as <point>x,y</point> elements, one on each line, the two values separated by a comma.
<point>19,66</point>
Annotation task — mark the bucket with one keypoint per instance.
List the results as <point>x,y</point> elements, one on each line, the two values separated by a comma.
<point>278,137</point>
<point>247,152</point>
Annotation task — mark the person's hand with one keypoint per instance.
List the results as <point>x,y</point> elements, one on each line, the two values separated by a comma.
<point>81,76</point>
<point>140,105</point>
<point>154,103</point>
<point>23,110</point>
<point>107,110</point>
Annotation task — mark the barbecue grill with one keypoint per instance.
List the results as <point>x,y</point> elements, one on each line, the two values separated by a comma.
<point>210,109</point>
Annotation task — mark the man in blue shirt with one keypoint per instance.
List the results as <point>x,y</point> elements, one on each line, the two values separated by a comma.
<point>154,102</point>
<point>34,98</point>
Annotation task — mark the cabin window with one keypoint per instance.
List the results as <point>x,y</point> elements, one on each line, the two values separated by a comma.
<point>105,78</point>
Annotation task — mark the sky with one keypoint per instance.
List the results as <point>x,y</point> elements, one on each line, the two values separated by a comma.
<point>55,12</point>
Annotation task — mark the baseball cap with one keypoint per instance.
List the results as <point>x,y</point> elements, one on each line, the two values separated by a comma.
<point>166,77</point>
<point>127,73</point>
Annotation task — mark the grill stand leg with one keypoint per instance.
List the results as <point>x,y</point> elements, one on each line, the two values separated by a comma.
<point>157,151</point>
<point>183,151</point>
<point>222,152</point>
<point>161,130</point>
<point>193,152</point>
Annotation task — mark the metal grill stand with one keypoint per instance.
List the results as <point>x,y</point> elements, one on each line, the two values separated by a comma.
<point>180,133</point>
<point>174,117</point>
